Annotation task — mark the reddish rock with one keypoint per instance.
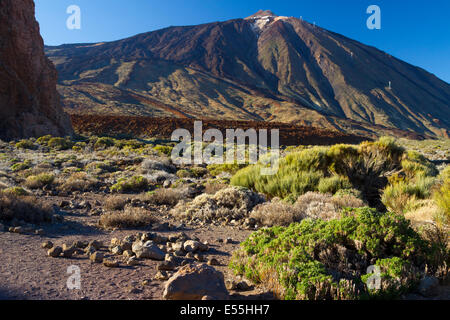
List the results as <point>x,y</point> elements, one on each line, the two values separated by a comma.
<point>193,282</point>
<point>29,102</point>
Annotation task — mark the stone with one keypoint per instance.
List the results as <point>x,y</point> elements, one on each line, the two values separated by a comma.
<point>128,254</point>
<point>126,245</point>
<point>132,261</point>
<point>89,250</point>
<point>97,245</point>
<point>199,257</point>
<point>204,246</point>
<point>64,204</point>
<point>191,245</point>
<point>117,250</point>
<point>29,104</point>
<point>193,282</point>
<point>81,244</point>
<point>39,232</point>
<point>18,230</point>
<point>68,252</point>
<point>428,286</point>
<point>243,286</point>
<point>147,250</point>
<point>47,245</point>
<point>54,252</point>
<point>230,284</point>
<point>166,266</point>
<point>228,240</point>
<point>110,263</point>
<point>115,242</point>
<point>97,257</point>
<point>161,276</point>
<point>213,262</point>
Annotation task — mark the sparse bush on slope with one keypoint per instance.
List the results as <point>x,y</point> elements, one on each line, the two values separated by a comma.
<point>317,259</point>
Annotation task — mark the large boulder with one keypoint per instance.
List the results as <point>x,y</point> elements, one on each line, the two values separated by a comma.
<point>29,102</point>
<point>193,282</point>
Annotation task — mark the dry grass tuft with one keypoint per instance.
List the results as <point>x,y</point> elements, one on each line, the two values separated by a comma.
<point>169,197</point>
<point>129,218</point>
<point>228,204</point>
<point>27,208</point>
<point>115,202</point>
<point>276,213</point>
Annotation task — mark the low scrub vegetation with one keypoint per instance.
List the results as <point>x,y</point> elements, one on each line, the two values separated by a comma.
<point>39,181</point>
<point>340,167</point>
<point>128,218</point>
<point>316,259</point>
<point>226,205</point>
<point>15,206</point>
<point>131,185</point>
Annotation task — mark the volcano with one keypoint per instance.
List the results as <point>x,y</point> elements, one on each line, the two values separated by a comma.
<point>261,68</point>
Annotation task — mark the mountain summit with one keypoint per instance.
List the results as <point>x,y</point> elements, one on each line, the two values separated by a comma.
<point>262,13</point>
<point>263,68</point>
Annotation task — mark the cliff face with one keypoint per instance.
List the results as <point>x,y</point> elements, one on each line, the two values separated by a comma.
<point>29,102</point>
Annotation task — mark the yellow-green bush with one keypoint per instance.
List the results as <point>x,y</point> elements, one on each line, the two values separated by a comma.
<point>60,143</point>
<point>232,168</point>
<point>133,184</point>
<point>333,184</point>
<point>39,181</point>
<point>340,167</point>
<point>397,196</point>
<point>163,150</point>
<point>104,143</point>
<point>442,197</point>
<point>25,144</point>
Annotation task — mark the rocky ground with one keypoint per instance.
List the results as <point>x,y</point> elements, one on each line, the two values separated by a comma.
<point>29,273</point>
<point>117,262</point>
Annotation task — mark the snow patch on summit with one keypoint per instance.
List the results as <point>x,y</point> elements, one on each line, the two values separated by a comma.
<point>259,23</point>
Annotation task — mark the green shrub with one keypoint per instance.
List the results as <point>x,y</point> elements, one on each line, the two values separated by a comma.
<point>60,143</point>
<point>25,144</point>
<point>231,168</point>
<point>199,172</point>
<point>103,143</point>
<point>317,259</point>
<point>20,166</point>
<point>39,181</point>
<point>396,196</point>
<point>133,184</point>
<point>17,191</point>
<point>442,197</point>
<point>183,173</point>
<point>163,150</point>
<point>44,140</point>
<point>416,164</point>
<point>333,184</point>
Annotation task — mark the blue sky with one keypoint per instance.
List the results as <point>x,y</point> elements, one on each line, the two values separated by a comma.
<point>415,31</point>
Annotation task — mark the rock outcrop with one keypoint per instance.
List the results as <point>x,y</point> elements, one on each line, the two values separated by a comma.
<point>29,102</point>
